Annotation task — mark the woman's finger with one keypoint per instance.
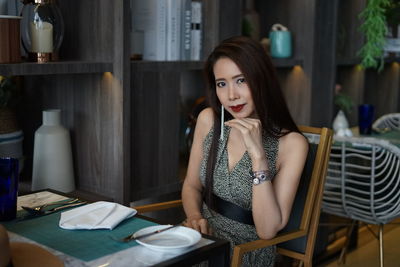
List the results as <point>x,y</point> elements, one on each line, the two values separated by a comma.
<point>246,126</point>
<point>203,226</point>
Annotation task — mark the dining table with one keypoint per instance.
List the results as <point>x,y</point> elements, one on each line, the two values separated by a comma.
<point>101,247</point>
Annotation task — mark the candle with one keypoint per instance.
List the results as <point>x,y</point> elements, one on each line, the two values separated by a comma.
<point>42,37</point>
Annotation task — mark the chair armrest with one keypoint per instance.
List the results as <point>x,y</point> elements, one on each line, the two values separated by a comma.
<point>158,206</point>
<point>239,250</point>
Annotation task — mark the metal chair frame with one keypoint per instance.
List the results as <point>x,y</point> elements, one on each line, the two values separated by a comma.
<point>389,121</point>
<point>363,182</point>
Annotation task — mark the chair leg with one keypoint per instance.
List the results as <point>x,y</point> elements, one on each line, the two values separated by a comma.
<point>381,245</point>
<point>342,258</point>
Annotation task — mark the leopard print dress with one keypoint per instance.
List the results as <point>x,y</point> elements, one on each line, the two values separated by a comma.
<point>236,186</point>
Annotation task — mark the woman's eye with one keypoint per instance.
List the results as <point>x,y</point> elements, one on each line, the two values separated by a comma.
<point>221,84</point>
<point>241,80</point>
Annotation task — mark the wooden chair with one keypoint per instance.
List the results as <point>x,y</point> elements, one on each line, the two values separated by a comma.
<point>298,238</point>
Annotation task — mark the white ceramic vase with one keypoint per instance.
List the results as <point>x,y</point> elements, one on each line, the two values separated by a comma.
<point>341,125</point>
<point>52,155</point>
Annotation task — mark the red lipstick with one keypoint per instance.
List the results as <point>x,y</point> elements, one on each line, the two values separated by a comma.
<point>237,108</point>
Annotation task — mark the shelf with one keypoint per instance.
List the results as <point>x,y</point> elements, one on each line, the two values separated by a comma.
<point>166,65</point>
<point>348,61</point>
<point>198,65</point>
<point>354,61</point>
<point>61,67</point>
<point>286,62</point>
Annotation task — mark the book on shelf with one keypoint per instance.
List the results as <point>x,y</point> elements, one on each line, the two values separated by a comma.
<point>186,29</point>
<point>196,30</point>
<point>149,26</point>
<point>162,30</point>
<point>173,20</point>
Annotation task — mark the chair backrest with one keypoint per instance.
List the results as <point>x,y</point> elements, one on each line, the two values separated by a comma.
<point>389,121</point>
<point>306,207</point>
<point>363,180</point>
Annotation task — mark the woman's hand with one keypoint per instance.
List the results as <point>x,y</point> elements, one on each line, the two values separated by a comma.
<point>251,131</point>
<point>198,223</point>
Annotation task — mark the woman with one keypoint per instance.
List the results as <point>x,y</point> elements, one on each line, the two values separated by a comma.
<point>243,174</point>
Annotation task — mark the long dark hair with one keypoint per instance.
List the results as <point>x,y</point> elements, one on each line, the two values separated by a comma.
<point>262,79</point>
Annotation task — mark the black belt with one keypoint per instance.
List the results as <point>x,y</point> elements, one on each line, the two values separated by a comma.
<point>232,211</point>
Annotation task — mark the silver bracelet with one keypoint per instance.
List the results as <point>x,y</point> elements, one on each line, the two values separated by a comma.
<point>259,177</point>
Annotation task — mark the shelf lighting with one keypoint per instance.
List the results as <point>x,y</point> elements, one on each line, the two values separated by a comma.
<point>107,74</point>
<point>359,67</point>
<point>297,68</point>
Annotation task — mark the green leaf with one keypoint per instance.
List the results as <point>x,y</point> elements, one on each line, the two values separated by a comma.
<point>374,29</point>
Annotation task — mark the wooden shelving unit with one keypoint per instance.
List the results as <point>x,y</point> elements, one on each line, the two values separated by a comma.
<point>62,67</point>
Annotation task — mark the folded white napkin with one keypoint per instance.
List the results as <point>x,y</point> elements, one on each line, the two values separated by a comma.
<point>98,215</point>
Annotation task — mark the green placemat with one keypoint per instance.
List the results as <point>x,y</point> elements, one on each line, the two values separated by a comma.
<point>85,245</point>
<point>391,136</point>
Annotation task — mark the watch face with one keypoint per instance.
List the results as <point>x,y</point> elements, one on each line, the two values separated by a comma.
<point>256,181</point>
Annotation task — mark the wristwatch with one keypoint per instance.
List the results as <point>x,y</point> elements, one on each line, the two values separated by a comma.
<point>259,177</point>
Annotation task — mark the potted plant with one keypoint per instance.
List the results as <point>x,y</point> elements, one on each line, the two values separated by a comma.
<point>375,30</point>
<point>8,98</point>
<point>381,19</point>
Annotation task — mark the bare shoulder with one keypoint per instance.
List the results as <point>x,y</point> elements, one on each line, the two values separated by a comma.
<point>205,121</point>
<point>294,145</point>
<point>293,139</point>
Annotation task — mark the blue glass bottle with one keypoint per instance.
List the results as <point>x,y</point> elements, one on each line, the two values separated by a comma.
<point>8,188</point>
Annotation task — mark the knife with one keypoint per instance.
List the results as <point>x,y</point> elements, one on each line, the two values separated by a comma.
<point>132,237</point>
<point>37,214</point>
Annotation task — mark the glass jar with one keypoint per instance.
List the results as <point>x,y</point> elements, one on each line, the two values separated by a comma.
<point>42,29</point>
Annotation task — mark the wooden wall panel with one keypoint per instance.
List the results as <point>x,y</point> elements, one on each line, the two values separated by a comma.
<point>228,26</point>
<point>324,63</point>
<point>298,16</point>
<point>382,89</point>
<point>352,81</point>
<point>222,19</point>
<point>90,109</point>
<point>155,133</point>
<point>294,82</point>
<point>89,29</point>
<point>210,26</point>
<point>349,39</point>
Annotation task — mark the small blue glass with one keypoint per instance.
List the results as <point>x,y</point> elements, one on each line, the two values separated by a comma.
<point>365,118</point>
<point>8,188</point>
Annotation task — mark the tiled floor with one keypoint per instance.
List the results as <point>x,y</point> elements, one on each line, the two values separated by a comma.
<point>367,255</point>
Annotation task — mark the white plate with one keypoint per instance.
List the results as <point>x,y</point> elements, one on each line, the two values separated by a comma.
<point>176,238</point>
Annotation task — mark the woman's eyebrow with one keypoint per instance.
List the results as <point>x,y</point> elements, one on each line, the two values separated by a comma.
<point>237,76</point>
<point>233,77</point>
